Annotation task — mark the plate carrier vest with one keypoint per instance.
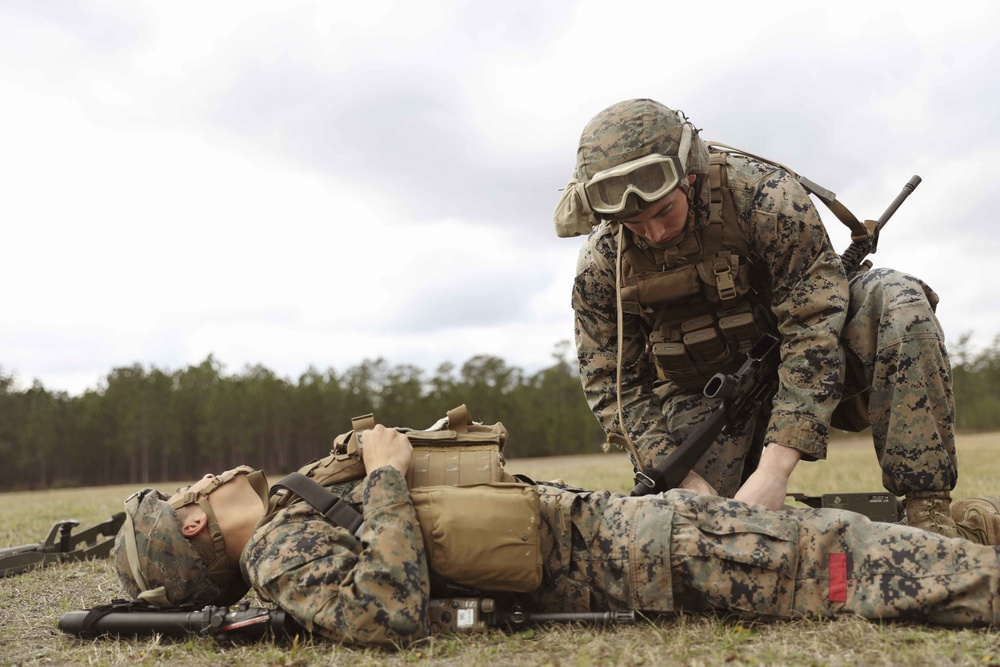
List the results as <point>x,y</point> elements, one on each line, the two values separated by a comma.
<point>699,300</point>
<point>694,297</point>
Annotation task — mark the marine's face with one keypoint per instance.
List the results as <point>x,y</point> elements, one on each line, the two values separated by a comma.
<point>663,220</point>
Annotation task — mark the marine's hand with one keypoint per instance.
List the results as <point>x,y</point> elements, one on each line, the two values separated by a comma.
<point>768,485</point>
<point>696,482</point>
<point>383,446</point>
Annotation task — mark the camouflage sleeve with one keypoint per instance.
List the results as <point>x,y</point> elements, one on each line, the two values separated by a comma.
<point>595,305</point>
<point>809,298</point>
<point>372,591</point>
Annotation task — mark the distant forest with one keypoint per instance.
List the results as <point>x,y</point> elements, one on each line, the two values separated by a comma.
<point>146,425</point>
<point>149,425</point>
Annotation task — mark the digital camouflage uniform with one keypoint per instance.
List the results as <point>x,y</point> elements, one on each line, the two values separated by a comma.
<point>372,591</point>
<point>896,363</point>
<point>604,551</point>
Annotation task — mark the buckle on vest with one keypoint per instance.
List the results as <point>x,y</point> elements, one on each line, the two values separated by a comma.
<point>724,280</point>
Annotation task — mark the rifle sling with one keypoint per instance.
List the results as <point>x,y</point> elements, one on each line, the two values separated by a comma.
<point>329,505</point>
<point>87,630</point>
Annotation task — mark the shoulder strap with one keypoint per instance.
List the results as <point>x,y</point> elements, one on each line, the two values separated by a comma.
<point>329,505</point>
<point>859,231</point>
<point>723,230</point>
<point>722,208</point>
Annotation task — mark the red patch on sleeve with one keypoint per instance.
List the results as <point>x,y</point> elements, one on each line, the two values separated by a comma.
<point>838,577</point>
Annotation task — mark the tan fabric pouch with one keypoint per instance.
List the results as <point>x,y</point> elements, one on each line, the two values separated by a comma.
<point>483,536</point>
<point>461,452</point>
<point>454,451</point>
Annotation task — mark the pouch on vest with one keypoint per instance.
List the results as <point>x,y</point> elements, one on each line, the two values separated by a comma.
<point>483,536</point>
<point>462,452</point>
<point>456,450</point>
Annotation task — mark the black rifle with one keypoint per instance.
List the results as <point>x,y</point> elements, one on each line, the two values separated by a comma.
<point>741,394</point>
<point>859,249</point>
<point>62,546</point>
<point>446,615</point>
<point>137,618</point>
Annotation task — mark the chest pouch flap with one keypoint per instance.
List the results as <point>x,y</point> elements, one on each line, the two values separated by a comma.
<point>484,536</point>
<point>672,285</point>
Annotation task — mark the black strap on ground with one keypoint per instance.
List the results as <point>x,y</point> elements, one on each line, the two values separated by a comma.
<point>118,605</point>
<point>335,509</point>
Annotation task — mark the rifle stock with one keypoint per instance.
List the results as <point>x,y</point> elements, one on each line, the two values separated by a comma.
<point>137,618</point>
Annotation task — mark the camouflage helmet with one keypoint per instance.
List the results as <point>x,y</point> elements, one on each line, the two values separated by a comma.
<point>625,132</point>
<point>633,129</point>
<point>157,563</point>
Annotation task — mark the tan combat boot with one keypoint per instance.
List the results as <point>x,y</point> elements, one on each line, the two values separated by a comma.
<point>930,510</point>
<point>977,520</point>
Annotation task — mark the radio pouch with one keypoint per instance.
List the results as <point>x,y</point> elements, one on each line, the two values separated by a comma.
<point>483,536</point>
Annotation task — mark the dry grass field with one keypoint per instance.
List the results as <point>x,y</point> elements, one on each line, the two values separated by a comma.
<point>31,603</point>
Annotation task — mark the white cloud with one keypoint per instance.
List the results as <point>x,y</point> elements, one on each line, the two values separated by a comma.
<point>299,183</point>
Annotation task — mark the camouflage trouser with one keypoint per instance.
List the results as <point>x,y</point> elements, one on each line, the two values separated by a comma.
<point>898,379</point>
<point>680,550</point>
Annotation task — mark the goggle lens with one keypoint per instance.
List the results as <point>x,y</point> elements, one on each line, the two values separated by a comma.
<point>650,178</point>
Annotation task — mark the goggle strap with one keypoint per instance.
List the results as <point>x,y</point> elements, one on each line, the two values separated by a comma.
<point>684,149</point>
<point>131,549</point>
<point>156,596</point>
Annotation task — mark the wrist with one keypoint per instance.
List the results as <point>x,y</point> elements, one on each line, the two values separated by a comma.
<point>778,458</point>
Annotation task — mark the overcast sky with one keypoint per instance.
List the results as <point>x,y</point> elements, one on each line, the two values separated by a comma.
<point>298,184</point>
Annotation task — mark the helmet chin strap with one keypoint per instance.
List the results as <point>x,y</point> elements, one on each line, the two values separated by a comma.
<point>257,482</point>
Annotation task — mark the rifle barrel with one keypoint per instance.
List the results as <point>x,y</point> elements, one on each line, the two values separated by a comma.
<point>907,190</point>
<point>136,623</point>
<point>588,617</point>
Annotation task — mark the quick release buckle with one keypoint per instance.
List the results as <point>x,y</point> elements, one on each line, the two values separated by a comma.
<point>644,479</point>
<point>724,281</point>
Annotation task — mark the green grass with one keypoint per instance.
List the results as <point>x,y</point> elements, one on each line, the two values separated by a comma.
<point>31,603</point>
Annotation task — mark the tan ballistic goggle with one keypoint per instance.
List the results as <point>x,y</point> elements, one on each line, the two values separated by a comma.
<point>650,177</point>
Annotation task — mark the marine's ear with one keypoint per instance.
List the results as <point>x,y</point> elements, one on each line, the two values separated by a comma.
<point>194,522</point>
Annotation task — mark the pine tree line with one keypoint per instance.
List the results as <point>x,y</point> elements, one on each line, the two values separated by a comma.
<point>149,425</point>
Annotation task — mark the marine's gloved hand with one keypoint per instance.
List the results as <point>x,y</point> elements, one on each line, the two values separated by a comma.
<point>386,447</point>
<point>696,482</point>
<point>768,485</point>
